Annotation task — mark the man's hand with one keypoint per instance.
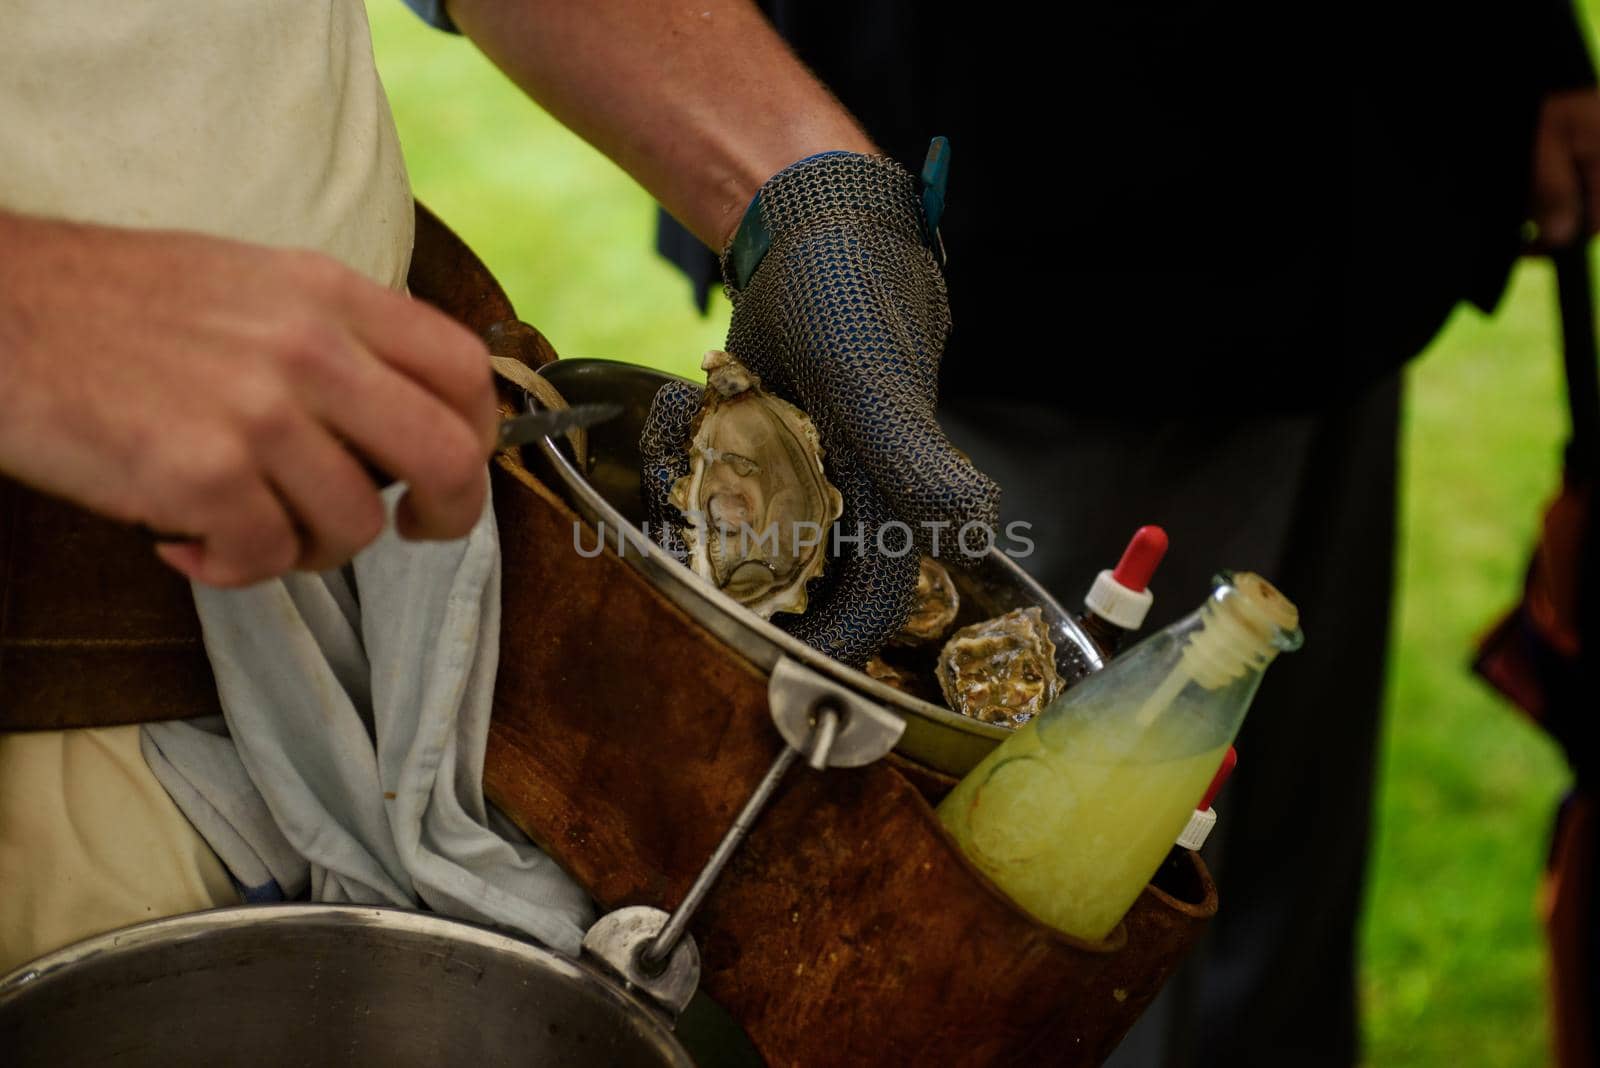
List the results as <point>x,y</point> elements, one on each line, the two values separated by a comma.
<point>705,105</point>
<point>225,391</point>
<point>846,315</point>
<point>1566,167</point>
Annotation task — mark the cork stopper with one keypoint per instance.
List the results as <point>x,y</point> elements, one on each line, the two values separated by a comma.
<point>1265,601</point>
<point>1246,623</point>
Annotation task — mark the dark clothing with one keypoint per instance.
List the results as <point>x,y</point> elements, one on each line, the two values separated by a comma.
<point>1309,501</point>
<point>1190,246</point>
<point>1283,198</point>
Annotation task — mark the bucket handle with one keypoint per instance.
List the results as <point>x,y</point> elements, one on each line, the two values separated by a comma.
<point>827,723</point>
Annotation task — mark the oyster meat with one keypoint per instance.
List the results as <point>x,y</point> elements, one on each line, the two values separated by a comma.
<point>1002,670</point>
<point>757,504</point>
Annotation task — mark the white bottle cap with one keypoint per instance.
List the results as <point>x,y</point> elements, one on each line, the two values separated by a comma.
<point>1113,601</point>
<point>1199,828</point>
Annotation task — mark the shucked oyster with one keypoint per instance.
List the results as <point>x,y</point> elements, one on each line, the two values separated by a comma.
<point>906,661</point>
<point>1002,670</point>
<point>757,503</point>
<point>935,608</point>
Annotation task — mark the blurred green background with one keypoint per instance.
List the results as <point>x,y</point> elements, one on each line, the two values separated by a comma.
<point>1452,960</point>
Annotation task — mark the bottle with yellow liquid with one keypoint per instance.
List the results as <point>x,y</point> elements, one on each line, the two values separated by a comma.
<point>1073,814</point>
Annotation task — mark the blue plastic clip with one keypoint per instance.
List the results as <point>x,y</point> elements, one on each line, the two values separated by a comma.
<point>935,182</point>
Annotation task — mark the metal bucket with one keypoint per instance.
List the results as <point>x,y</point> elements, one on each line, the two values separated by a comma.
<point>607,494</point>
<point>320,985</point>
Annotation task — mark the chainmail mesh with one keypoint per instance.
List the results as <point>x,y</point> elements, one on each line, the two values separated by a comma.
<point>664,450</point>
<point>846,317</point>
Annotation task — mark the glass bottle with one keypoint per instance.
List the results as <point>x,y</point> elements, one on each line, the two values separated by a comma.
<point>1072,814</point>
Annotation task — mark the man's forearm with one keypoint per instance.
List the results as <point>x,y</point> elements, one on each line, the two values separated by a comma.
<point>701,102</point>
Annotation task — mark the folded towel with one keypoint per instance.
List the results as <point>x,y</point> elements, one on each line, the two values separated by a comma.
<point>357,706</point>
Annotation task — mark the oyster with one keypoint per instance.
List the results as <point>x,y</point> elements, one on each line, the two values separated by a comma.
<point>892,675</point>
<point>935,608</point>
<point>1002,670</point>
<point>757,503</point>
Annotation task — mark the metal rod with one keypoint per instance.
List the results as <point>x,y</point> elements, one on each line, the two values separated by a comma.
<point>822,739</point>
<point>661,948</point>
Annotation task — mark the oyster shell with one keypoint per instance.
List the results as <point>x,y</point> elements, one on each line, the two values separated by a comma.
<point>892,675</point>
<point>935,609</point>
<point>1002,670</point>
<point>757,503</point>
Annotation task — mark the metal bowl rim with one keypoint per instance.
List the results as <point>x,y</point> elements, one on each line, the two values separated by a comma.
<point>194,925</point>
<point>780,642</point>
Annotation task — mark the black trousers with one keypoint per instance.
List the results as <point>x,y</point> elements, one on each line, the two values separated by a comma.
<point>1309,502</point>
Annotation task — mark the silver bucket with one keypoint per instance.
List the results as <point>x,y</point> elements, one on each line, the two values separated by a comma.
<point>320,985</point>
<point>607,494</point>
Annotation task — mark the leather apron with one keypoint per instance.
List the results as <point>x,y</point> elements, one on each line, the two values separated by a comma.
<point>262,122</point>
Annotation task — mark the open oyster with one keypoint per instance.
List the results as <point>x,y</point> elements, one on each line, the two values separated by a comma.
<point>906,662</point>
<point>1002,670</point>
<point>757,503</point>
<point>935,608</point>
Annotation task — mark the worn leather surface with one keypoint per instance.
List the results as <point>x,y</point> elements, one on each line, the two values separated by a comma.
<point>848,928</point>
<point>94,629</point>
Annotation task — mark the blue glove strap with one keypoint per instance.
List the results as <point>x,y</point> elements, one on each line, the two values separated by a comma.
<point>752,240</point>
<point>750,244</point>
<point>935,180</point>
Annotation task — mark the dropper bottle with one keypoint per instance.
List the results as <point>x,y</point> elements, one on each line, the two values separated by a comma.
<point>1073,813</point>
<point>1120,598</point>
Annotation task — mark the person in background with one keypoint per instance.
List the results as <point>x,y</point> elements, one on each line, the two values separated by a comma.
<point>1190,248</point>
<point>205,227</point>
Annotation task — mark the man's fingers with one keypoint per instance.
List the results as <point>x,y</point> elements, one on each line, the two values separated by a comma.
<point>247,537</point>
<point>428,347</point>
<point>922,476</point>
<point>333,500</point>
<point>416,437</point>
<point>419,518</point>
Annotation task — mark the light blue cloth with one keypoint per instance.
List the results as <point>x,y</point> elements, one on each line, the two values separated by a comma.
<point>357,706</point>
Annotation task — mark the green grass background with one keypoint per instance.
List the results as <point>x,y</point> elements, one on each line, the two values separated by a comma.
<point>1452,963</point>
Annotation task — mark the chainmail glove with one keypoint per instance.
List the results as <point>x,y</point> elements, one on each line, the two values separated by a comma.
<point>845,314</point>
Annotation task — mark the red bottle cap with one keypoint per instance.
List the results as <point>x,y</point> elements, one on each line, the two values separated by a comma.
<point>1140,558</point>
<point>1229,759</point>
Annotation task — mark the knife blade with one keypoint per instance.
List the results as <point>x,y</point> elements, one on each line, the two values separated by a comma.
<point>526,429</point>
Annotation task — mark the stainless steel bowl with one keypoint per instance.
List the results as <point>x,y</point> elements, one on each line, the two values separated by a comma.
<point>320,985</point>
<point>607,493</point>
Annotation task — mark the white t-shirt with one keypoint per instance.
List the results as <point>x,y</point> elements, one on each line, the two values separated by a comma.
<point>261,121</point>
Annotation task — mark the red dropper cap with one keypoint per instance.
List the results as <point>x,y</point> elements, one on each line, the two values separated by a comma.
<point>1140,558</point>
<point>1205,817</point>
<point>1228,761</point>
